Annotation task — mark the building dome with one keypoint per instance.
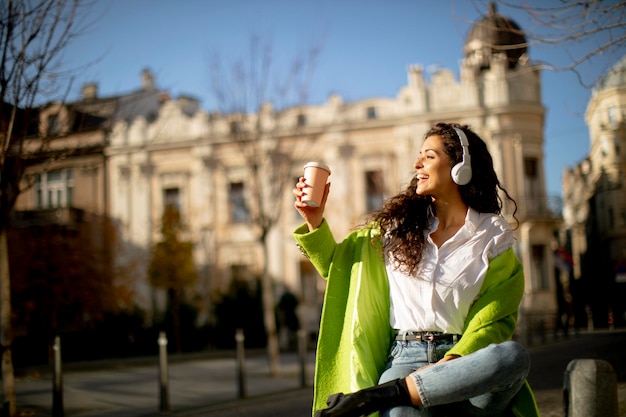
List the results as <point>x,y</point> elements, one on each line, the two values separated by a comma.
<point>494,34</point>
<point>614,78</point>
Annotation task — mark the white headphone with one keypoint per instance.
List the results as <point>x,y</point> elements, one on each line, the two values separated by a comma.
<point>462,172</point>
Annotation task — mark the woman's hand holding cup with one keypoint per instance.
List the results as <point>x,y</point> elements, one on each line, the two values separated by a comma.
<point>312,214</point>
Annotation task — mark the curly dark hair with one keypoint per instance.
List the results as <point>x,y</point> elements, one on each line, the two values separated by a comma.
<point>403,218</point>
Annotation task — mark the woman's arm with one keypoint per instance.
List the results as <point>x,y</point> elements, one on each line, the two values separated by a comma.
<point>318,245</point>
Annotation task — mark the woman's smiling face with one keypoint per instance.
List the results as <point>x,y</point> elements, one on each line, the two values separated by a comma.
<point>433,169</point>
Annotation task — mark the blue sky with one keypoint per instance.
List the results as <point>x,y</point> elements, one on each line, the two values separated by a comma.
<point>367,48</point>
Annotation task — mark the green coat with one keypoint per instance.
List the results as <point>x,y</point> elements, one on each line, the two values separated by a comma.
<point>355,335</point>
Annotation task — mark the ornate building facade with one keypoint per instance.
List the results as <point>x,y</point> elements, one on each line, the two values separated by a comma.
<point>65,191</point>
<point>153,150</point>
<point>594,211</point>
<point>188,157</point>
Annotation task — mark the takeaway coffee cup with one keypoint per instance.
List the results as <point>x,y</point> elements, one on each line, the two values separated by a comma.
<point>315,176</point>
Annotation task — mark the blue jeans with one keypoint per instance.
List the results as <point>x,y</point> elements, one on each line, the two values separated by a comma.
<point>480,384</point>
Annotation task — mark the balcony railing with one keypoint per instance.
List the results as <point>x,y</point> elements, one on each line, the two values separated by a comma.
<point>550,206</point>
<point>61,216</point>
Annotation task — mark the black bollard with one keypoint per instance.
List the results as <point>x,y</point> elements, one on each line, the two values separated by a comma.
<point>163,378</point>
<point>302,349</point>
<point>241,363</point>
<point>57,384</point>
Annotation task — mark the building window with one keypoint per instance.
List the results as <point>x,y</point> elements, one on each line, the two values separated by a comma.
<point>238,209</point>
<point>374,190</point>
<point>235,127</point>
<point>171,197</point>
<point>530,167</point>
<point>55,189</point>
<point>605,145</point>
<point>539,267</point>
<point>301,121</point>
<point>371,113</point>
<point>612,115</point>
<point>54,125</point>
<point>240,272</point>
<point>535,203</point>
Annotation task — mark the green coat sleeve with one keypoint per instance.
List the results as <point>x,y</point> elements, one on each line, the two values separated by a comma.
<point>318,245</point>
<point>493,316</point>
<point>355,334</point>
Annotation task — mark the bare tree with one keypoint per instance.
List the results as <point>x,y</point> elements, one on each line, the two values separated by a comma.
<point>33,35</point>
<point>585,30</point>
<point>252,94</point>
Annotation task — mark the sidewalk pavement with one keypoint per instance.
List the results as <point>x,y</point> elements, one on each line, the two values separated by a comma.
<point>200,384</point>
<point>132,388</point>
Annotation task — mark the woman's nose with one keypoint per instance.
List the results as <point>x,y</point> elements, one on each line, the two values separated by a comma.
<point>418,163</point>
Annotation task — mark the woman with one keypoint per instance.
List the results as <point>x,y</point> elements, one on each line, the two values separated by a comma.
<point>423,300</point>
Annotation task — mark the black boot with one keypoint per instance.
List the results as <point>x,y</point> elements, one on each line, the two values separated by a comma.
<point>367,401</point>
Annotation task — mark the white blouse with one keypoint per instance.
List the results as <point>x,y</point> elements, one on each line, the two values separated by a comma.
<point>449,278</point>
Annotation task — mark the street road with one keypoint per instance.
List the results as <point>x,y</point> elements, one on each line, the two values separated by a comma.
<point>296,403</point>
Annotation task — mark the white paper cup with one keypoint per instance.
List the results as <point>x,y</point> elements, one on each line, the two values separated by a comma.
<point>315,176</point>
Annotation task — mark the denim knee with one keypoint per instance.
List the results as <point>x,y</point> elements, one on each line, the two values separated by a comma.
<point>514,352</point>
<point>510,357</point>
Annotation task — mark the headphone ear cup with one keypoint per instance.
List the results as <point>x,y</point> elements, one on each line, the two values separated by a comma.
<point>461,173</point>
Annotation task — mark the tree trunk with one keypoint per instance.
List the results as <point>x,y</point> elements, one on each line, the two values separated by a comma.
<point>269,317</point>
<point>176,319</point>
<point>6,336</point>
